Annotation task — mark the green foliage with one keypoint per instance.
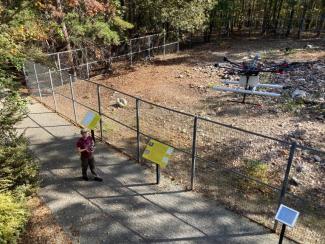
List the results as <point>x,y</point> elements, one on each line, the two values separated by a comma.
<point>12,108</point>
<point>154,16</point>
<point>292,106</point>
<point>18,169</point>
<point>186,15</point>
<point>100,32</point>
<point>13,216</point>
<point>97,32</point>
<point>257,170</point>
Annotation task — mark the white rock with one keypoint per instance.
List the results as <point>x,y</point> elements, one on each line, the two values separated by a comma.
<point>317,158</point>
<point>299,94</point>
<point>301,80</point>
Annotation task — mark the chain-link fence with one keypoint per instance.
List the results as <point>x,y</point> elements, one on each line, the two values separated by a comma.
<point>248,172</point>
<point>90,61</point>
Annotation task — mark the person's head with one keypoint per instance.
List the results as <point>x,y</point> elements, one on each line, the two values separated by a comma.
<point>84,133</point>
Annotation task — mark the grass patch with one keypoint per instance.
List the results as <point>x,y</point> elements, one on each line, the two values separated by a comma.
<point>257,170</point>
<point>292,106</point>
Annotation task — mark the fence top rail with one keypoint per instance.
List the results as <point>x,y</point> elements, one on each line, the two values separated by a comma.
<point>132,39</point>
<point>67,51</point>
<point>147,36</point>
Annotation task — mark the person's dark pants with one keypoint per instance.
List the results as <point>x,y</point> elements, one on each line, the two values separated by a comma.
<point>85,162</point>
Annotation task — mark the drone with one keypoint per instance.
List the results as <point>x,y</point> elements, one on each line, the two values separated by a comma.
<point>249,82</point>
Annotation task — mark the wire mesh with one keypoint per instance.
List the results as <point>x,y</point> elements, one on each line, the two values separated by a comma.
<point>120,136</point>
<point>172,128</point>
<point>61,82</point>
<point>112,106</point>
<point>46,89</point>
<point>85,93</point>
<point>306,194</point>
<point>241,170</point>
<point>64,106</point>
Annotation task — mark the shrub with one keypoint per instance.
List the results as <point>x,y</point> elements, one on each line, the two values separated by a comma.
<point>18,169</point>
<point>13,216</point>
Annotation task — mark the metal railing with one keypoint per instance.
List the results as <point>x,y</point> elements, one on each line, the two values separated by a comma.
<point>35,85</point>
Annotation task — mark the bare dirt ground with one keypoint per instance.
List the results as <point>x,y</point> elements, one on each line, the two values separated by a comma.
<point>182,81</point>
<point>42,226</point>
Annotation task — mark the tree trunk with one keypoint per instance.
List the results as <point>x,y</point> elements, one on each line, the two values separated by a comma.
<point>268,19</point>
<point>292,13</point>
<point>309,15</point>
<point>277,17</point>
<point>302,20</point>
<point>320,24</point>
<point>265,17</point>
<point>66,35</point>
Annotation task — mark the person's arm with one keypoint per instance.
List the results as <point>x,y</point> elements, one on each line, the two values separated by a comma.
<point>92,147</point>
<point>92,142</point>
<point>81,150</point>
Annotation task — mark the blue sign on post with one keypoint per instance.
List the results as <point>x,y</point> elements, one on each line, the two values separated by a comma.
<point>287,216</point>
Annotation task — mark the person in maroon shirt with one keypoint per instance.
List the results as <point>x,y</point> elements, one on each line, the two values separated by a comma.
<point>85,146</point>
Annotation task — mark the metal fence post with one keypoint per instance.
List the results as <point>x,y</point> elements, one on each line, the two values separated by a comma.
<point>131,53</point>
<point>164,43</point>
<point>137,103</point>
<point>157,174</point>
<point>87,65</point>
<point>149,46</point>
<point>177,40</point>
<point>37,81</point>
<point>73,100</point>
<point>26,77</point>
<point>286,178</point>
<point>193,152</point>
<point>24,71</point>
<point>59,64</point>
<point>52,87</point>
<point>100,112</point>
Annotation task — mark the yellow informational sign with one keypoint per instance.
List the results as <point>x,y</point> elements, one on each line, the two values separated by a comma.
<point>90,120</point>
<point>158,153</point>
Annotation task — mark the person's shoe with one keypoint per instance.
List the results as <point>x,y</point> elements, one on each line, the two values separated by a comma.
<point>98,179</point>
<point>85,178</point>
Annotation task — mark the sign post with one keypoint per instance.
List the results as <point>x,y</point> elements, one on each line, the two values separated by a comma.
<point>159,154</point>
<point>90,121</point>
<point>288,217</point>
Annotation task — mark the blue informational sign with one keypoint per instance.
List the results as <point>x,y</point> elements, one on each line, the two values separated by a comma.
<point>287,216</point>
<point>90,120</point>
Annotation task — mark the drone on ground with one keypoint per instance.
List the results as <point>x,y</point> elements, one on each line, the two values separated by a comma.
<point>249,81</point>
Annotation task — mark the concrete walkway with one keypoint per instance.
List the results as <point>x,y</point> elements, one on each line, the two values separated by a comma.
<point>126,207</point>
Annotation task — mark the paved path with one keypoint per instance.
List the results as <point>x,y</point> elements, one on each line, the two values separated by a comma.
<point>126,207</point>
